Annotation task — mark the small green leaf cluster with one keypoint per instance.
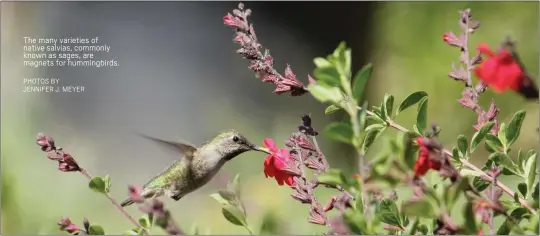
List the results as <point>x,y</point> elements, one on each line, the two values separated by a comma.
<point>146,221</point>
<point>232,207</point>
<point>334,85</point>
<point>100,185</point>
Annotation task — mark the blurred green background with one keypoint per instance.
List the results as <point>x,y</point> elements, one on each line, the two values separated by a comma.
<point>405,45</point>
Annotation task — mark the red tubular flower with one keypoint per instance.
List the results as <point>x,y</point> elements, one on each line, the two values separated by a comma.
<point>276,162</point>
<point>424,163</point>
<point>499,70</point>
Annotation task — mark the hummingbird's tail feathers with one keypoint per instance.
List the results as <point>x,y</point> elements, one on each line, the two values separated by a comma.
<point>127,202</point>
<point>182,147</point>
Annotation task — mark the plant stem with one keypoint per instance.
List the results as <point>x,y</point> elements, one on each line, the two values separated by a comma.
<point>248,229</point>
<point>492,212</point>
<point>356,130</point>
<point>465,49</point>
<point>117,205</point>
<point>468,165</point>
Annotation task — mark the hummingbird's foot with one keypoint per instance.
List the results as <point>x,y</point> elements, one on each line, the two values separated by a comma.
<point>176,197</point>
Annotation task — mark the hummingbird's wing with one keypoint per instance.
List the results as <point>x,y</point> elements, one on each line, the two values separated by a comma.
<point>184,148</point>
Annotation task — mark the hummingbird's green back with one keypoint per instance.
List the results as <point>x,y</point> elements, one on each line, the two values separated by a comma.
<point>176,171</point>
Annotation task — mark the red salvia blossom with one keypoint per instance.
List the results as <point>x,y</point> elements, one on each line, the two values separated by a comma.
<point>276,162</point>
<point>424,163</point>
<point>499,70</point>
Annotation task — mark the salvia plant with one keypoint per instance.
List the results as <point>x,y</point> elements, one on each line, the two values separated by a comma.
<point>366,202</point>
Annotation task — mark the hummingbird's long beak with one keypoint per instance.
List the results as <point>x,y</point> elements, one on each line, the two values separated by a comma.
<point>260,149</point>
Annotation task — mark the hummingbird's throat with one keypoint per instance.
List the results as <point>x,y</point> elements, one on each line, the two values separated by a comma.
<point>233,154</point>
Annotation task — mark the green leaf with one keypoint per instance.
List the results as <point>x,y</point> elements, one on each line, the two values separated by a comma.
<point>362,117</point>
<point>325,93</point>
<point>494,143</point>
<point>530,171</point>
<point>235,185</point>
<point>371,135</point>
<point>97,184</point>
<point>462,144</point>
<point>480,135</point>
<point>107,180</point>
<point>423,207</point>
<point>332,177</point>
<point>328,75</point>
<point>504,160</point>
<point>514,127</point>
<point>321,62</point>
<point>347,64</point>
<point>479,184</point>
<point>234,215</point>
<point>456,154</point>
<point>360,81</point>
<point>228,195</point>
<point>359,201</point>
<point>144,221</point>
<point>421,117</point>
<point>375,126</point>
<point>411,100</point>
<point>356,222</point>
<point>521,160</point>
<point>388,105</point>
<point>331,109</point>
<point>522,187</point>
<point>96,230</point>
<point>507,226</point>
<point>219,199</point>
<point>389,213</point>
<point>341,58</point>
<point>502,134</point>
<point>471,226</point>
<point>341,132</point>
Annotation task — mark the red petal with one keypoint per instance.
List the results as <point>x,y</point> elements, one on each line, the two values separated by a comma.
<point>511,76</point>
<point>487,72</point>
<point>484,48</point>
<point>269,168</point>
<point>270,144</point>
<point>281,158</point>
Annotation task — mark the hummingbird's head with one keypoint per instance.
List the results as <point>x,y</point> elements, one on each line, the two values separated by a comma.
<point>231,144</point>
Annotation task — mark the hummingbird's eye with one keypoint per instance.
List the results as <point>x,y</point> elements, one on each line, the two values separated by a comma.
<point>235,138</point>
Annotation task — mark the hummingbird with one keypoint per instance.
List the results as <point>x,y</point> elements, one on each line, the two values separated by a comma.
<point>196,165</point>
